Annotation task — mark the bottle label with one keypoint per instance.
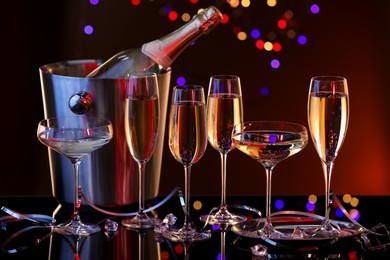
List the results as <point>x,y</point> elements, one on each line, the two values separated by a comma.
<point>155,51</point>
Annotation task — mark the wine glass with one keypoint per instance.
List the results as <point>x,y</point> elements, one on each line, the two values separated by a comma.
<point>75,137</point>
<point>328,114</point>
<point>187,143</point>
<point>224,110</point>
<point>142,115</point>
<point>269,142</point>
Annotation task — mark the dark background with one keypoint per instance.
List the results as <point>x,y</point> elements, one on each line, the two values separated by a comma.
<point>348,38</point>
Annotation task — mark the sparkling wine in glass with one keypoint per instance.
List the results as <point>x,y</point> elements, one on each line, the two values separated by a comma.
<point>75,137</point>
<point>224,110</point>
<point>187,143</point>
<point>269,143</point>
<point>328,114</point>
<point>142,115</point>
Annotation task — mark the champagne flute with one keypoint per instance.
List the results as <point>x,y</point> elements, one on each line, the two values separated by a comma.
<point>328,114</point>
<point>142,115</point>
<point>187,143</point>
<point>75,137</point>
<point>224,110</point>
<point>269,142</point>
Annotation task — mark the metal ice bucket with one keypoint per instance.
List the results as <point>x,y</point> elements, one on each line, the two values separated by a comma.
<point>109,176</point>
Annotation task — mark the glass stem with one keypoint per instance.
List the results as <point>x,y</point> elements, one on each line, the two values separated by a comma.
<point>223,183</point>
<point>141,190</point>
<point>77,190</point>
<point>268,174</point>
<point>187,176</point>
<point>327,167</point>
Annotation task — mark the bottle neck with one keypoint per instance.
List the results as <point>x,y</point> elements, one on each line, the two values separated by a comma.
<point>166,49</point>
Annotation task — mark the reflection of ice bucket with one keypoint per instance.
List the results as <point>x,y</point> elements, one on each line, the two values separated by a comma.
<point>109,176</point>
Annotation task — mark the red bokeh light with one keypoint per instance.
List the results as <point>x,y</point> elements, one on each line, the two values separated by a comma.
<point>135,2</point>
<point>172,15</point>
<point>282,24</point>
<point>277,47</point>
<point>225,19</point>
<point>179,249</point>
<point>260,44</point>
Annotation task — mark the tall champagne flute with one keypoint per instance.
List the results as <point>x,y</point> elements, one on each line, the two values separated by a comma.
<point>269,143</point>
<point>328,115</point>
<point>75,137</point>
<point>224,110</point>
<point>142,115</point>
<point>187,143</point>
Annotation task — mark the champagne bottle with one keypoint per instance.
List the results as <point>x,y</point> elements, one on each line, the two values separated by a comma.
<point>158,55</point>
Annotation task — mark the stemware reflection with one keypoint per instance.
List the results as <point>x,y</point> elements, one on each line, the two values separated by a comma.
<point>223,230</point>
<point>128,244</point>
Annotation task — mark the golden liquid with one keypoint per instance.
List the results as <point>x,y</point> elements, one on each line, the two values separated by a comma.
<point>223,112</point>
<point>269,147</point>
<point>187,132</point>
<point>141,126</point>
<point>328,121</point>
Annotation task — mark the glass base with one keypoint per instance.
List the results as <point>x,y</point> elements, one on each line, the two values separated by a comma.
<point>140,221</point>
<point>222,218</point>
<point>186,235</point>
<point>292,229</point>
<point>260,228</point>
<point>76,228</point>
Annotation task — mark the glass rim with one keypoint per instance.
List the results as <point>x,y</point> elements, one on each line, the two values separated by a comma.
<point>273,122</point>
<point>189,86</point>
<point>102,120</point>
<point>328,77</point>
<point>141,74</point>
<point>224,76</point>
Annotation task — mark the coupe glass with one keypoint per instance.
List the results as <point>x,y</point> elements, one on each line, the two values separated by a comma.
<point>269,142</point>
<point>142,115</point>
<point>187,143</point>
<point>224,110</point>
<point>328,114</point>
<point>75,137</point>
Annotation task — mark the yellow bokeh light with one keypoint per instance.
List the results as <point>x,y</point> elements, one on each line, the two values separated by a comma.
<point>197,205</point>
<point>312,198</point>
<point>242,36</point>
<point>245,3</point>
<point>186,17</point>
<point>354,202</point>
<point>347,198</point>
<point>233,3</point>
<point>268,46</point>
<point>271,3</point>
